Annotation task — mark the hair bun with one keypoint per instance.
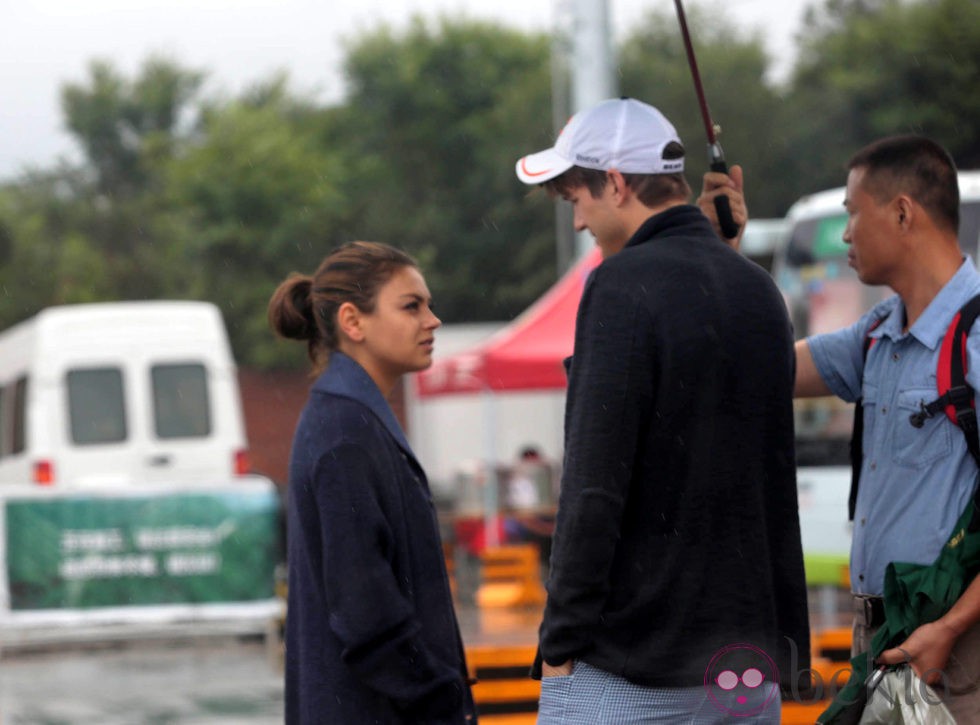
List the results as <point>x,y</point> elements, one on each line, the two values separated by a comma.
<point>291,309</point>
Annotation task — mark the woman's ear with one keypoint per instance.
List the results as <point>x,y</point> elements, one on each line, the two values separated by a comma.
<point>349,322</point>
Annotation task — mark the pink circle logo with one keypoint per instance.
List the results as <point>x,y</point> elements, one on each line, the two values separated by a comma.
<point>741,680</point>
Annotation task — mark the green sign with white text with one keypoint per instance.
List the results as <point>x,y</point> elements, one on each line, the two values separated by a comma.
<point>83,552</point>
<point>828,241</point>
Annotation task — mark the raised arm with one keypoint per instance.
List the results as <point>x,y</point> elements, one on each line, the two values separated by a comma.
<point>809,384</point>
<point>730,184</point>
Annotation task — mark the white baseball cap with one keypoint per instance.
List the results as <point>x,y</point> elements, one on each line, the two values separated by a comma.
<point>620,133</point>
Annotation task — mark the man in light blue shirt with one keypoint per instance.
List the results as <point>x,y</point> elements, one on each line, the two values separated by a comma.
<point>902,463</point>
<point>902,202</point>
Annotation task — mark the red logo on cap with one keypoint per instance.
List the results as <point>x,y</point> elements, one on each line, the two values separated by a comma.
<point>531,173</point>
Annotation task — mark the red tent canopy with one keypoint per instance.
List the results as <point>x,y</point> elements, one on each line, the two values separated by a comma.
<point>527,354</point>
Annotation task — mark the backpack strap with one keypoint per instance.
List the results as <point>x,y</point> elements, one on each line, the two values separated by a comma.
<point>955,394</point>
<point>965,415</point>
<point>857,430</point>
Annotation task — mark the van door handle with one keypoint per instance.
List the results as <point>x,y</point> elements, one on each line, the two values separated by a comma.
<point>161,460</point>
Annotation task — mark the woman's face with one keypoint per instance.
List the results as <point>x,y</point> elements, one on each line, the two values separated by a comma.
<point>399,336</point>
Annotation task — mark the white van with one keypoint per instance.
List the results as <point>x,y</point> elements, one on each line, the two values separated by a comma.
<point>120,394</point>
<point>762,240</point>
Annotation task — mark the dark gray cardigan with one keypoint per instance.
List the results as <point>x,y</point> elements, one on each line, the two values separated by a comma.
<point>371,634</point>
<point>678,530</point>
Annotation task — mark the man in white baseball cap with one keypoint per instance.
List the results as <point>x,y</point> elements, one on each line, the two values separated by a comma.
<point>677,544</point>
<point>638,142</point>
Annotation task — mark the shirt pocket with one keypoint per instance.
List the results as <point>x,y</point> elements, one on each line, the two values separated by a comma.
<point>920,447</point>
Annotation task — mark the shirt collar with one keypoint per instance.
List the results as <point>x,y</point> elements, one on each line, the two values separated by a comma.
<point>931,326</point>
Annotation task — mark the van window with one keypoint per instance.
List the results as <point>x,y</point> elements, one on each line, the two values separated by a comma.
<point>96,406</point>
<point>18,429</point>
<point>817,240</point>
<point>180,401</point>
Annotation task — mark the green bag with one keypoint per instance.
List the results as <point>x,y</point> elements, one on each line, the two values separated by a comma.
<point>914,594</point>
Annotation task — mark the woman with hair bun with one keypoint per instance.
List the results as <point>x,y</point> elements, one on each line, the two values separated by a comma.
<point>371,634</point>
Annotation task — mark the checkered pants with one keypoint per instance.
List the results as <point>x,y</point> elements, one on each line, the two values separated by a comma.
<point>590,696</point>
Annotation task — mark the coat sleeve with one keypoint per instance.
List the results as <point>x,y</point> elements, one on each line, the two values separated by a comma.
<point>609,387</point>
<point>367,608</point>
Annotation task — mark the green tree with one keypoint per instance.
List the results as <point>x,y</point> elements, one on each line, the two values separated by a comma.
<point>25,279</point>
<point>435,119</point>
<point>871,68</point>
<point>48,257</point>
<point>128,130</point>
<point>256,197</point>
<point>126,127</point>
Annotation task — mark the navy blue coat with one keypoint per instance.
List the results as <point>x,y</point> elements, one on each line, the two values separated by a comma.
<point>371,634</point>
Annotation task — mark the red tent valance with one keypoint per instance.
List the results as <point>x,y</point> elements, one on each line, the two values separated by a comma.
<point>527,354</point>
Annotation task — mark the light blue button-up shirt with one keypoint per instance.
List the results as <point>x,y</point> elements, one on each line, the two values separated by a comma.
<point>915,482</point>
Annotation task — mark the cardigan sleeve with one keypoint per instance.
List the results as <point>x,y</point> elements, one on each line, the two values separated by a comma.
<point>609,386</point>
<point>368,611</point>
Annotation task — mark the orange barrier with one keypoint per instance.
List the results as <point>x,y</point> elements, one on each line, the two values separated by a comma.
<point>795,713</point>
<point>504,693</point>
<point>834,644</point>
<point>830,663</point>
<point>510,577</point>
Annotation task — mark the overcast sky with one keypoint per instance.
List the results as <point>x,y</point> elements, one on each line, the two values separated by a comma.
<point>45,43</point>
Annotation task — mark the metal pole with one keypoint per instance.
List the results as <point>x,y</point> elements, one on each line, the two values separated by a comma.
<point>561,111</point>
<point>593,79</point>
<point>491,486</point>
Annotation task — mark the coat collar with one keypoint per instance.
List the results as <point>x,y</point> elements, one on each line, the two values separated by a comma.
<point>346,378</point>
<point>681,219</point>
